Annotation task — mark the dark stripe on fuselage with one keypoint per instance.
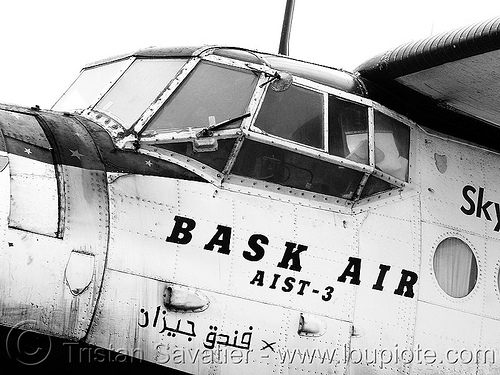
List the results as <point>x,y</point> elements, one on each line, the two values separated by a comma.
<point>79,142</point>
<point>28,150</point>
<point>116,160</point>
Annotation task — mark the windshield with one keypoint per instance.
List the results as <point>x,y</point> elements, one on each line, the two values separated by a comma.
<point>210,95</point>
<point>89,85</point>
<point>138,88</point>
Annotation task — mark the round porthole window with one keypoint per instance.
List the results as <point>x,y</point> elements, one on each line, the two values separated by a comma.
<point>455,267</point>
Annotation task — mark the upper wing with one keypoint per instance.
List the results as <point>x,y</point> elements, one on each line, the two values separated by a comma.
<point>455,76</point>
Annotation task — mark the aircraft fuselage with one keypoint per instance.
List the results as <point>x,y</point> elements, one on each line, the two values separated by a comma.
<point>358,243</point>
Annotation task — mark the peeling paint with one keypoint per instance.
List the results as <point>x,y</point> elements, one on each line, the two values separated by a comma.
<point>441,162</point>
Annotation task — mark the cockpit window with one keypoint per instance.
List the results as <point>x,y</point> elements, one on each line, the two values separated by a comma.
<point>373,186</point>
<point>295,114</point>
<point>288,168</point>
<point>211,94</point>
<point>143,81</point>
<point>88,86</point>
<point>348,130</point>
<point>216,159</point>
<point>392,139</point>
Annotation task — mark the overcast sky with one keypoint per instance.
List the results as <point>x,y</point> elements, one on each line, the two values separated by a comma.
<point>46,43</point>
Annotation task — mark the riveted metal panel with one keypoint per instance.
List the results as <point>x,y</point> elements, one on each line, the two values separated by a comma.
<point>491,193</point>
<point>491,272</point>
<point>328,239</point>
<point>446,168</point>
<point>32,277</point>
<point>51,284</point>
<point>444,339</point>
<point>488,351</point>
<point>232,335</point>
<point>489,362</point>
<point>232,248</point>
<point>389,244</point>
<point>460,196</point>
<point>324,354</point>
<point>459,199</point>
<point>23,127</point>
<point>140,244</point>
<point>38,272</point>
<point>34,202</point>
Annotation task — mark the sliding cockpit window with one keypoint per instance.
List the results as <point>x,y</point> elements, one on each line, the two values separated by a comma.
<point>392,146</point>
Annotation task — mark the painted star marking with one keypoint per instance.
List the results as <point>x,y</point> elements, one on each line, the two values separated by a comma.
<point>28,151</point>
<point>76,154</point>
<point>148,163</point>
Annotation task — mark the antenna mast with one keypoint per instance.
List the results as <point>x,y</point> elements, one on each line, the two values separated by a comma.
<point>287,26</point>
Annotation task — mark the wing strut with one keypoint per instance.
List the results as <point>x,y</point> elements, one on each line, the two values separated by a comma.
<point>287,27</point>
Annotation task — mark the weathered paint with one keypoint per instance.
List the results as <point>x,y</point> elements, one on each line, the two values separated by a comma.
<point>147,253</point>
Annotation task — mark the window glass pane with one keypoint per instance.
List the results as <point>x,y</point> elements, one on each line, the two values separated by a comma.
<point>375,186</point>
<point>210,95</point>
<point>348,130</point>
<point>268,163</point>
<point>216,159</point>
<point>295,114</point>
<point>86,89</point>
<point>138,88</point>
<point>455,267</point>
<point>392,141</point>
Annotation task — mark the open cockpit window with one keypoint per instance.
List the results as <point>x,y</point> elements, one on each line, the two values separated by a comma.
<point>348,130</point>
<point>392,141</point>
<point>210,95</point>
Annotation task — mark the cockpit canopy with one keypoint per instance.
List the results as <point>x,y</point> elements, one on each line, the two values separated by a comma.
<point>256,116</point>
